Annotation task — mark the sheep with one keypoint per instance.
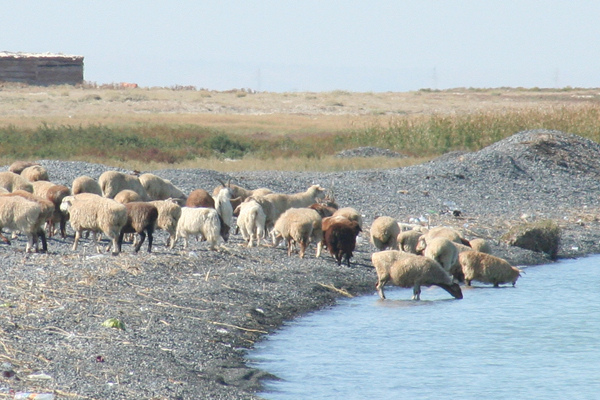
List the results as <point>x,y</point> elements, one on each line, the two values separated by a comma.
<point>409,270</point>
<point>161,189</point>
<point>199,220</point>
<point>46,208</point>
<point>97,214</point>
<point>283,202</point>
<point>268,209</point>
<point>200,198</point>
<point>294,227</point>
<point>384,233</point>
<point>323,209</point>
<point>485,268</point>
<point>408,241</point>
<point>481,245</point>
<point>35,173</point>
<point>112,182</point>
<point>127,196</point>
<point>340,238</point>
<point>446,232</point>
<point>140,217</point>
<point>11,182</point>
<point>251,221</point>
<point>85,184</point>
<point>225,210</point>
<point>439,249</point>
<point>351,214</point>
<point>316,235</point>
<point>238,191</point>
<point>56,194</point>
<point>18,166</point>
<point>169,213</point>
<point>40,188</point>
<point>20,214</point>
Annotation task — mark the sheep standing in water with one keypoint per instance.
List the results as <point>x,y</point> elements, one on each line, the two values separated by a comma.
<point>485,268</point>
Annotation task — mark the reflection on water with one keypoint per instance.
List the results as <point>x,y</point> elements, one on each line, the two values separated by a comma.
<point>538,340</point>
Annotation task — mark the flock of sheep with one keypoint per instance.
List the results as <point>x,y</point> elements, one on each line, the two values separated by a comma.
<point>119,204</point>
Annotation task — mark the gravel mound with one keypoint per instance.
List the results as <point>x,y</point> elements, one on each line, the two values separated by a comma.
<point>191,315</point>
<point>369,152</point>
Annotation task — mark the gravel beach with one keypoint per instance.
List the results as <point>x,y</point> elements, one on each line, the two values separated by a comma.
<point>191,315</point>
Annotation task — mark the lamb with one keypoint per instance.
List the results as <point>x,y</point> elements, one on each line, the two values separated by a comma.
<point>46,208</point>
<point>408,241</point>
<point>18,166</point>
<point>169,213</point>
<point>294,227</point>
<point>409,270</point>
<point>439,249</point>
<point>340,238</point>
<point>485,268</point>
<point>20,214</point>
<point>85,184</point>
<point>199,220</point>
<point>351,214</point>
<point>161,189</point>
<point>251,221</point>
<point>384,233</point>
<point>283,202</point>
<point>481,245</point>
<point>97,214</point>
<point>140,217</point>
<point>127,196</point>
<point>200,198</point>
<point>225,210</point>
<point>35,173</point>
<point>112,182</point>
<point>11,182</point>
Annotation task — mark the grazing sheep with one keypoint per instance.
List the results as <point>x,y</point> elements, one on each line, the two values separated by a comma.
<point>141,219</point>
<point>251,221</point>
<point>485,268</point>
<point>112,182</point>
<point>35,173</point>
<point>409,270</point>
<point>161,189</point>
<point>56,194</point>
<point>446,232</point>
<point>294,227</point>
<point>85,184</point>
<point>225,210</point>
<point>200,198</point>
<point>169,213</point>
<point>351,214</point>
<point>97,214</point>
<point>199,220</point>
<point>127,196</point>
<point>384,233</point>
<point>439,249</point>
<point>408,241</point>
<point>481,245</point>
<point>340,238</point>
<point>11,182</point>
<point>283,202</point>
<point>47,209</point>
<point>22,215</point>
<point>18,166</point>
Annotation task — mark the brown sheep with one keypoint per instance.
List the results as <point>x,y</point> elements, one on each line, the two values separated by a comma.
<point>200,198</point>
<point>340,238</point>
<point>141,217</point>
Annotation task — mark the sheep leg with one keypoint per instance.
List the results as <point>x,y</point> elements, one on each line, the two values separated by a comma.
<point>115,245</point>
<point>303,245</point>
<point>379,286</point>
<point>30,240</point>
<point>319,249</point>
<point>77,237</point>
<point>140,242</point>
<point>42,235</point>
<point>417,292</point>
<point>289,246</point>
<point>63,226</point>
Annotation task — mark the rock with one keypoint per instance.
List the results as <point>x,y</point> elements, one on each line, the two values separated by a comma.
<point>369,152</point>
<point>541,236</point>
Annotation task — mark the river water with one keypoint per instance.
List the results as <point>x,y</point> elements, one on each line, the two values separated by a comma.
<point>538,340</point>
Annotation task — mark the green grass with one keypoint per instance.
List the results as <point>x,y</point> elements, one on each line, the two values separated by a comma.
<point>424,136</point>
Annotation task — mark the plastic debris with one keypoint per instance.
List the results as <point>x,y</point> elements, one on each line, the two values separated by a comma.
<point>113,323</point>
<point>35,396</point>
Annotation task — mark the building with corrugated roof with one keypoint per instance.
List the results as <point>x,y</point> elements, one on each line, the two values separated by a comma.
<point>41,68</point>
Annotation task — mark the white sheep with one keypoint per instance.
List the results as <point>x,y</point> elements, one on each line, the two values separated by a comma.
<point>485,268</point>
<point>283,202</point>
<point>439,249</point>
<point>89,212</point>
<point>169,213</point>
<point>85,184</point>
<point>409,240</point>
<point>196,221</point>
<point>161,189</point>
<point>18,166</point>
<point>384,233</point>
<point>11,182</point>
<point>127,196</point>
<point>35,173</point>
<point>20,214</point>
<point>445,232</point>
<point>112,182</point>
<point>409,270</point>
<point>47,211</point>
<point>293,227</point>
<point>351,214</point>
<point>225,211</point>
<point>251,221</point>
<point>316,235</point>
<point>481,245</point>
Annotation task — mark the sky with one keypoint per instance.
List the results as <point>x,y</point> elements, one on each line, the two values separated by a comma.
<point>316,45</point>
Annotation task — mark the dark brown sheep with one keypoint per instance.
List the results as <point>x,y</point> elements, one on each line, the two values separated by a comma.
<point>141,217</point>
<point>340,239</point>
